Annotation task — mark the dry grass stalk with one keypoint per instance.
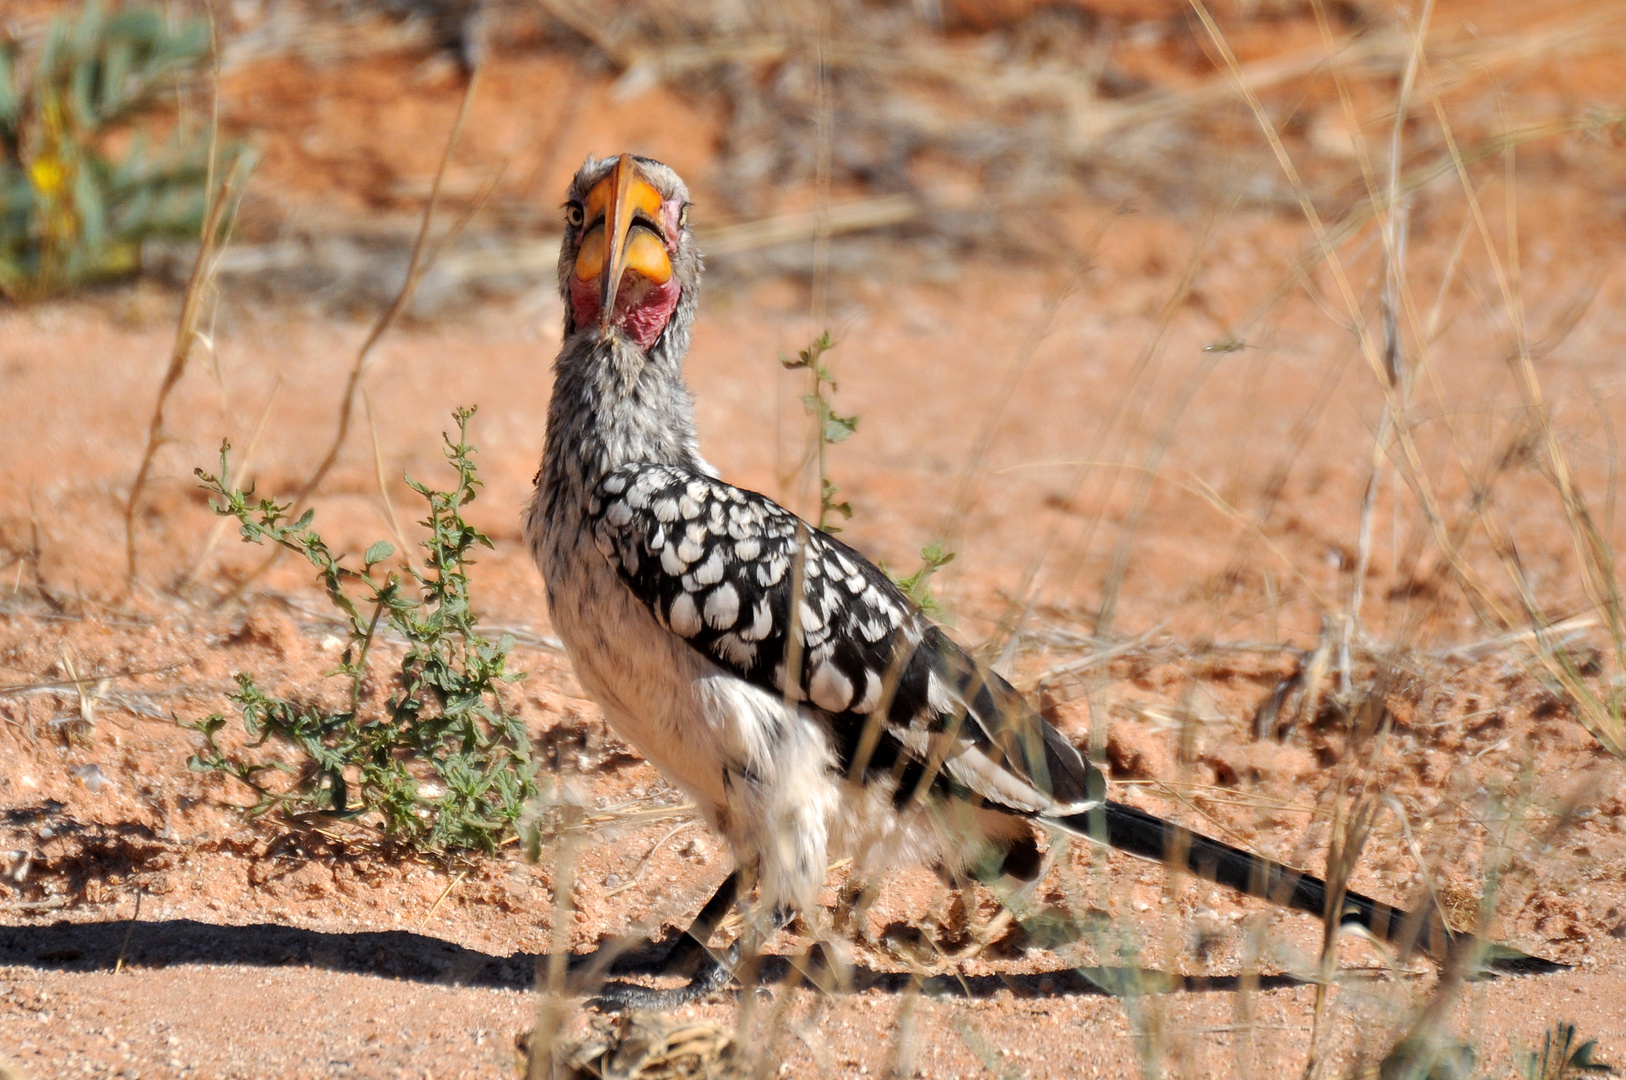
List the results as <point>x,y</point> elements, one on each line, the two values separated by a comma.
<point>199,285</point>
<point>553,1005</point>
<point>1598,715</point>
<point>390,519</point>
<point>421,256</point>
<point>726,240</point>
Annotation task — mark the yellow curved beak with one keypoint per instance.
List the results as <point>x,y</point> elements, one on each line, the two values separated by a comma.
<point>624,233</point>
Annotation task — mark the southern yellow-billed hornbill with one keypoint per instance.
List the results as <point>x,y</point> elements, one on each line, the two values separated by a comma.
<point>672,591</point>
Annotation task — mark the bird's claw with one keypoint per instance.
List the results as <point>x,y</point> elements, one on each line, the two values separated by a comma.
<point>625,996</point>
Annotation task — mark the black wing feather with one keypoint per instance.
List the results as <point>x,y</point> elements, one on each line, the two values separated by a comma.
<point>716,564</point>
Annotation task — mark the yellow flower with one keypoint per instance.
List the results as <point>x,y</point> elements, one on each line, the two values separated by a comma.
<point>47,173</point>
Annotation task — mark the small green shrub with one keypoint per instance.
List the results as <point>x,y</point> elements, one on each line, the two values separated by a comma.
<point>1560,1058</point>
<point>77,196</point>
<point>445,719</point>
<point>830,427</point>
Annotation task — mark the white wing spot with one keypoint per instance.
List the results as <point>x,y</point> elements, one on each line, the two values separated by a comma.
<point>666,509</point>
<point>872,694</point>
<point>748,549</point>
<point>689,551</point>
<point>811,620</point>
<point>672,562</point>
<point>620,513</point>
<point>710,572</point>
<point>761,622</point>
<point>683,616</point>
<point>735,651</point>
<point>830,689</point>
<point>938,697</point>
<point>615,483</point>
<point>722,606</point>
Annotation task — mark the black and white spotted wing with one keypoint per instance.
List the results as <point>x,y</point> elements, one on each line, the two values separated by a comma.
<point>716,565</point>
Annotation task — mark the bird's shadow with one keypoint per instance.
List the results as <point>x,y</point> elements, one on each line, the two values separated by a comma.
<point>414,957</point>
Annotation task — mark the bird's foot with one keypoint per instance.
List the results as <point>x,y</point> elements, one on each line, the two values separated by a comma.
<point>982,938</point>
<point>714,975</point>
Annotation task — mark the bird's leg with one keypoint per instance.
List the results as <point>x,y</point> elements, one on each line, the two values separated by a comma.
<point>826,963</point>
<point>689,956</point>
<point>687,952</point>
<point>1012,885</point>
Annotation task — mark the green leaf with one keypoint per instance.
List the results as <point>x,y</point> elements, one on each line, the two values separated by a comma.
<point>839,428</point>
<point>917,586</point>
<point>378,552</point>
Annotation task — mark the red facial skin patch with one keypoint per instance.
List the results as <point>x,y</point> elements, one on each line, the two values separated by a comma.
<point>643,308</point>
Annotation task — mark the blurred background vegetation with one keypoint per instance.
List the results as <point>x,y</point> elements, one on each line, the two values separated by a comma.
<point>81,185</point>
<point>968,128</point>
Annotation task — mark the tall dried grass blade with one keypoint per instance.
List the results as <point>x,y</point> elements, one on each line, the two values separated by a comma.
<point>198,284</point>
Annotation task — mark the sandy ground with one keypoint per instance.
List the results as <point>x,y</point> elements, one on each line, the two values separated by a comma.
<point>1062,428</point>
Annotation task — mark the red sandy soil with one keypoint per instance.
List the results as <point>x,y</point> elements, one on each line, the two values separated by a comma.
<point>982,386</point>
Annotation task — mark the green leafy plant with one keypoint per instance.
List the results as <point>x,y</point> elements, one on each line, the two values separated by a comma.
<point>443,764</point>
<point>917,586</point>
<point>1560,1059</point>
<point>80,188</point>
<point>830,427</point>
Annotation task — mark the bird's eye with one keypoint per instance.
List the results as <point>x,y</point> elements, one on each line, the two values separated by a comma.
<point>573,215</point>
<point>683,216</point>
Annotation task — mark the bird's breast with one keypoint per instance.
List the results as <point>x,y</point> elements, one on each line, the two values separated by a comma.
<point>649,683</point>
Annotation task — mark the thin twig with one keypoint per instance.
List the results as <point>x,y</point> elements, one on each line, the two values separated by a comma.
<point>118,966</point>
<point>417,265</point>
<point>444,893</point>
<point>90,680</point>
<point>644,864</point>
<point>185,334</point>
<point>245,471</point>
<point>378,468</point>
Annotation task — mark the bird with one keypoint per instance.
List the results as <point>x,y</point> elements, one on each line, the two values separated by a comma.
<point>770,671</point>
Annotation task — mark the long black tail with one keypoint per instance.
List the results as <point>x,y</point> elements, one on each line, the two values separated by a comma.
<point>1139,833</point>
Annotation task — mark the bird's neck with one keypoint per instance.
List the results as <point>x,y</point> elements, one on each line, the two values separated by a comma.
<point>615,404</point>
